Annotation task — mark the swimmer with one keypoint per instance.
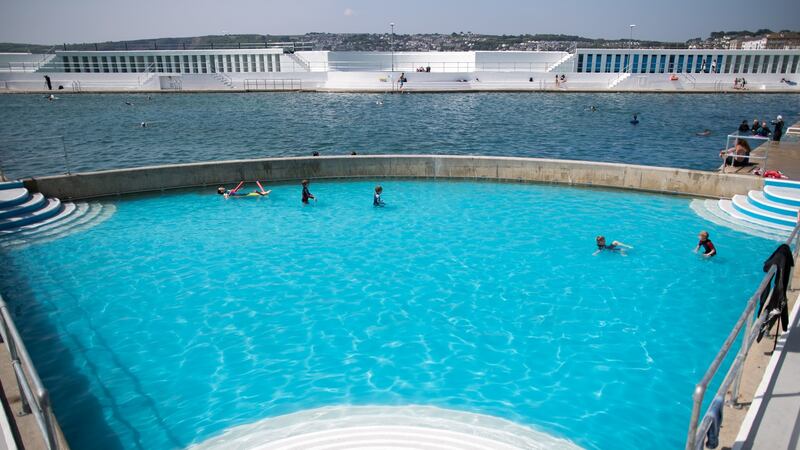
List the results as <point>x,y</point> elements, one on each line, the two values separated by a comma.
<point>593,108</point>
<point>616,246</point>
<point>143,124</point>
<point>235,191</point>
<point>705,132</point>
<point>51,97</point>
<point>376,199</point>
<point>635,119</point>
<point>128,103</point>
<point>306,193</point>
<point>708,247</point>
<point>379,102</point>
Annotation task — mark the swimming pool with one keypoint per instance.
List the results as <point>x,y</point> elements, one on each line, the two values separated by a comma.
<point>102,132</point>
<point>184,315</point>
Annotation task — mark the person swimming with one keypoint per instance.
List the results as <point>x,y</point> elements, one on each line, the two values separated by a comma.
<point>376,199</point>
<point>616,246</point>
<point>306,193</point>
<point>236,193</point>
<point>143,124</point>
<point>705,132</point>
<point>635,119</point>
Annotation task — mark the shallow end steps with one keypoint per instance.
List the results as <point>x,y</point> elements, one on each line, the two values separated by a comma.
<point>51,209</point>
<point>759,200</point>
<point>727,206</point>
<point>11,184</point>
<point>13,197</point>
<point>34,202</point>
<point>745,207</point>
<point>778,194</point>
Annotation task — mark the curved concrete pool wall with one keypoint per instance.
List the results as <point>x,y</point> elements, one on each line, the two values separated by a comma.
<point>582,173</point>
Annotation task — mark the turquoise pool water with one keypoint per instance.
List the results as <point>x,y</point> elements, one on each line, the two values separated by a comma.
<point>184,314</point>
<point>102,132</point>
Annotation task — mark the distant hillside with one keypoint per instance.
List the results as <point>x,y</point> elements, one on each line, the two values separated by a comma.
<point>383,42</point>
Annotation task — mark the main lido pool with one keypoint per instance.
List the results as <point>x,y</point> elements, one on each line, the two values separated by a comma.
<point>185,315</point>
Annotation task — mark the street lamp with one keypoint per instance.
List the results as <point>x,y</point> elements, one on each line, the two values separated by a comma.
<point>391,44</point>
<point>630,48</point>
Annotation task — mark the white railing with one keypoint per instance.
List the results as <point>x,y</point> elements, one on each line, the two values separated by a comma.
<point>733,157</point>
<point>33,396</point>
<point>698,428</point>
<point>149,73</point>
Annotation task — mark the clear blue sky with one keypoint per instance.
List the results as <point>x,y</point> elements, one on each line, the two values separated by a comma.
<point>56,21</point>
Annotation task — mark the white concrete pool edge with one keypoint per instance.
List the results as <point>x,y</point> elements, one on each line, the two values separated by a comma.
<point>283,169</point>
<point>755,408</point>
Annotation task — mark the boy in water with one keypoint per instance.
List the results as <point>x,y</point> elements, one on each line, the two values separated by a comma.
<point>236,193</point>
<point>616,246</point>
<point>708,247</point>
<point>306,194</point>
<point>376,199</point>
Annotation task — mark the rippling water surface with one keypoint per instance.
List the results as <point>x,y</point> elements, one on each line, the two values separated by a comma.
<point>100,131</point>
<point>185,314</point>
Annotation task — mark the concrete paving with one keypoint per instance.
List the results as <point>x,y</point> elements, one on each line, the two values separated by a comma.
<point>773,421</point>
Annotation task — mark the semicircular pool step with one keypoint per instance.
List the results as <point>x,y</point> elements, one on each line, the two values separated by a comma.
<point>759,200</point>
<point>730,209</point>
<point>50,209</point>
<point>35,201</point>
<point>710,210</point>
<point>784,195</point>
<point>382,427</point>
<point>78,217</point>
<point>741,204</point>
<point>13,196</point>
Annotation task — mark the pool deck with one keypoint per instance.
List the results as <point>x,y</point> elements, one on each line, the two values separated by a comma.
<point>773,419</point>
<point>783,156</point>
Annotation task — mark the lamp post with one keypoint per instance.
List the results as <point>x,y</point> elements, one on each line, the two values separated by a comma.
<point>391,44</point>
<point>630,48</point>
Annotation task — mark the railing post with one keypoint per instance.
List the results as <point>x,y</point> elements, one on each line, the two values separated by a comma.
<point>66,157</point>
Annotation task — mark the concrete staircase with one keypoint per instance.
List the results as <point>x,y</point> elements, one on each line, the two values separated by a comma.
<point>771,212</point>
<point>27,218</point>
<point>565,65</point>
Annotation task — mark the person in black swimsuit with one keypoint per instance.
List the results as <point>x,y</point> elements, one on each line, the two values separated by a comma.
<point>306,194</point>
<point>616,246</point>
<point>708,247</point>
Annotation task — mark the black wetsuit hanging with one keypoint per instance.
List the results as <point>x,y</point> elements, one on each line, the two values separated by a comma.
<point>783,258</point>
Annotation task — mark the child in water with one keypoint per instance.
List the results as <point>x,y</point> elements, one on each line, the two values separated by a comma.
<point>376,199</point>
<point>306,194</point>
<point>708,247</point>
<point>236,193</point>
<point>616,246</point>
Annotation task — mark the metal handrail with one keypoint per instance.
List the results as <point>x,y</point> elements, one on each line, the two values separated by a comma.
<point>34,397</point>
<point>697,430</point>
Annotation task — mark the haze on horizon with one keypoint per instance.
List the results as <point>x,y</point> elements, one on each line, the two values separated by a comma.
<point>54,22</point>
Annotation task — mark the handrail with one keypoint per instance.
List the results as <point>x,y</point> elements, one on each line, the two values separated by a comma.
<point>698,430</point>
<point>34,397</point>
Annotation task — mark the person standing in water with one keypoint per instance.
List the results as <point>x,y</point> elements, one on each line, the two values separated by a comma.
<point>376,199</point>
<point>708,247</point>
<point>306,193</point>
<point>635,119</point>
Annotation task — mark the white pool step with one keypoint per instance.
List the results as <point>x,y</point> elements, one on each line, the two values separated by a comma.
<point>727,206</point>
<point>745,207</point>
<point>27,218</point>
<point>13,196</point>
<point>785,195</point>
<point>760,200</point>
<point>781,183</point>
<point>34,202</point>
<point>710,210</point>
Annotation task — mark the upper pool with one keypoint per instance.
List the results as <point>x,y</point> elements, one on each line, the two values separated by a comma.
<point>184,314</point>
<point>101,131</point>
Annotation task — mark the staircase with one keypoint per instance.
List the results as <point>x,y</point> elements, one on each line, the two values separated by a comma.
<point>27,218</point>
<point>299,61</point>
<point>619,79</point>
<point>771,212</point>
<point>224,79</point>
<point>565,64</point>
